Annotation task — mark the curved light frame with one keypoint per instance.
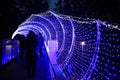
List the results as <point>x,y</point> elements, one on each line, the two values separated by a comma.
<point>70,51</point>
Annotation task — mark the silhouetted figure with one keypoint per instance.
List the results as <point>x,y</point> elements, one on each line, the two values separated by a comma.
<point>22,41</point>
<point>31,53</point>
<point>41,44</point>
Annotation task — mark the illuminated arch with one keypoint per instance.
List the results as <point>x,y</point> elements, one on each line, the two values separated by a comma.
<point>71,55</point>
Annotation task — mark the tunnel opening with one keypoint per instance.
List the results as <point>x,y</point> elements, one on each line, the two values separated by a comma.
<point>78,61</point>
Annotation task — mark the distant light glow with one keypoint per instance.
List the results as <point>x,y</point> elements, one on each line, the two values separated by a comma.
<point>10,50</point>
<point>82,43</point>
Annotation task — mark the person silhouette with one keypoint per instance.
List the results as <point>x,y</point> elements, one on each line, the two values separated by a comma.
<point>41,44</point>
<point>31,55</point>
<point>22,41</point>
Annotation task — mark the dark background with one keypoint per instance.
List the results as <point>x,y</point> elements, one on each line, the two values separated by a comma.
<point>14,12</point>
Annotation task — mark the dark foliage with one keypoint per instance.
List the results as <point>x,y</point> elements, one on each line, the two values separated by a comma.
<point>14,12</point>
<point>106,10</point>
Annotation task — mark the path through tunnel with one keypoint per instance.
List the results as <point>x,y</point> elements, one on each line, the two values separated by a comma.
<point>87,48</point>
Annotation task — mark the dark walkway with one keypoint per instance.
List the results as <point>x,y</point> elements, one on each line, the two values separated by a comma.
<point>17,70</point>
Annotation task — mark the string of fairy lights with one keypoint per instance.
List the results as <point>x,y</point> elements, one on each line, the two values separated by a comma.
<point>87,48</point>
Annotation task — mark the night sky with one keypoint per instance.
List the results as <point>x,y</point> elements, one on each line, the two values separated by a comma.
<point>14,12</point>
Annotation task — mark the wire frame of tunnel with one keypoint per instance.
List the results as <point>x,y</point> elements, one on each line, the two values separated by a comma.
<point>97,59</point>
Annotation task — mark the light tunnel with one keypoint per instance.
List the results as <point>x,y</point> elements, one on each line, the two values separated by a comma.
<point>97,59</point>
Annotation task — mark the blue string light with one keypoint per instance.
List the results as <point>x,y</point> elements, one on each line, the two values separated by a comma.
<point>99,58</point>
